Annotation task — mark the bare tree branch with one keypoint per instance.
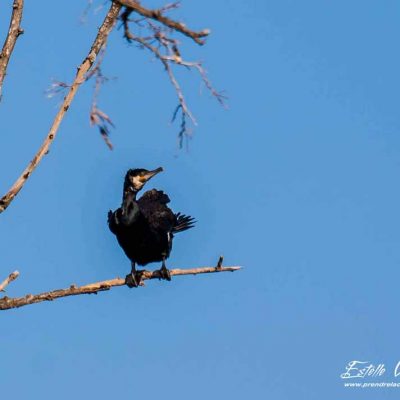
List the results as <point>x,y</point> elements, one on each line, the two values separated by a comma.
<point>169,46</point>
<point>98,117</point>
<point>167,66</point>
<point>7,303</point>
<point>158,16</point>
<point>87,63</point>
<point>13,32</point>
<point>166,49</point>
<point>14,275</point>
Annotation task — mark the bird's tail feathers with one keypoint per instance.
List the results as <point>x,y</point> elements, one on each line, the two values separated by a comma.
<point>183,222</point>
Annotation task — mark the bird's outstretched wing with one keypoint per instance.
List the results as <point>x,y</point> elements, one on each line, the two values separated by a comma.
<point>153,207</point>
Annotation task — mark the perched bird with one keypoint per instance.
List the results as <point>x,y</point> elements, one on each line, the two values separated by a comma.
<point>145,228</point>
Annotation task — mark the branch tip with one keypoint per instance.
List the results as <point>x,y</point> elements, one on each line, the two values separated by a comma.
<point>12,277</point>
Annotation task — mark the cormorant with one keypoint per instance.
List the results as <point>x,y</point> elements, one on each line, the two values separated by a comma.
<point>145,228</point>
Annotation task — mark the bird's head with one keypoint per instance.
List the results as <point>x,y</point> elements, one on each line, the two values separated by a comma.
<point>136,178</point>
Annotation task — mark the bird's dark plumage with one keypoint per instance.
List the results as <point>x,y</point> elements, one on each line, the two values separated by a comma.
<point>145,227</point>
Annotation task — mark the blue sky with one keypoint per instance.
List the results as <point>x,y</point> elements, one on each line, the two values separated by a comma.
<point>297,182</point>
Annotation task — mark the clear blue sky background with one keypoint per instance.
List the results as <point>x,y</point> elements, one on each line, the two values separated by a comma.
<point>298,181</point>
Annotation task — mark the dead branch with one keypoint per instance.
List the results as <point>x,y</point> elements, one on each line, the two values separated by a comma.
<point>7,303</point>
<point>167,52</point>
<point>13,33</point>
<point>167,66</point>
<point>98,117</point>
<point>158,16</point>
<point>14,275</point>
<point>56,88</point>
<point>166,49</point>
<point>87,63</point>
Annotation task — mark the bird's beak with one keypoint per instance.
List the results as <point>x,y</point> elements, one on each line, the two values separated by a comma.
<point>150,174</point>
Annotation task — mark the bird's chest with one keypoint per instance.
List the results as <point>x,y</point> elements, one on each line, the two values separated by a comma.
<point>143,244</point>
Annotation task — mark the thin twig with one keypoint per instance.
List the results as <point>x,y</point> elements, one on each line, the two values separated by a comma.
<point>85,13</point>
<point>12,277</point>
<point>13,32</point>
<point>6,303</point>
<point>98,117</point>
<point>88,62</point>
<point>166,50</point>
<point>158,16</point>
<point>169,71</point>
<point>220,261</point>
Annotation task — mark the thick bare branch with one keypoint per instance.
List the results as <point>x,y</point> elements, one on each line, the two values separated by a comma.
<point>87,63</point>
<point>157,15</point>
<point>13,32</point>
<point>6,303</point>
<point>14,275</point>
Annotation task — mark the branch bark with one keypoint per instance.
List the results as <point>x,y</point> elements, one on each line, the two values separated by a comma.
<point>157,15</point>
<point>13,33</point>
<point>14,275</point>
<point>7,303</point>
<point>99,42</point>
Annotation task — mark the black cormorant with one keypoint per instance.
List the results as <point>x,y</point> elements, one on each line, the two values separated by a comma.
<point>145,228</point>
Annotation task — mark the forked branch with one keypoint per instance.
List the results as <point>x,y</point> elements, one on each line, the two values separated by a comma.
<point>158,40</point>
<point>7,303</point>
<point>98,117</point>
<point>13,33</point>
<point>158,16</point>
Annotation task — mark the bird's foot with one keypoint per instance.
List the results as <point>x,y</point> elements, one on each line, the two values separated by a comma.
<point>164,273</point>
<point>134,279</point>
